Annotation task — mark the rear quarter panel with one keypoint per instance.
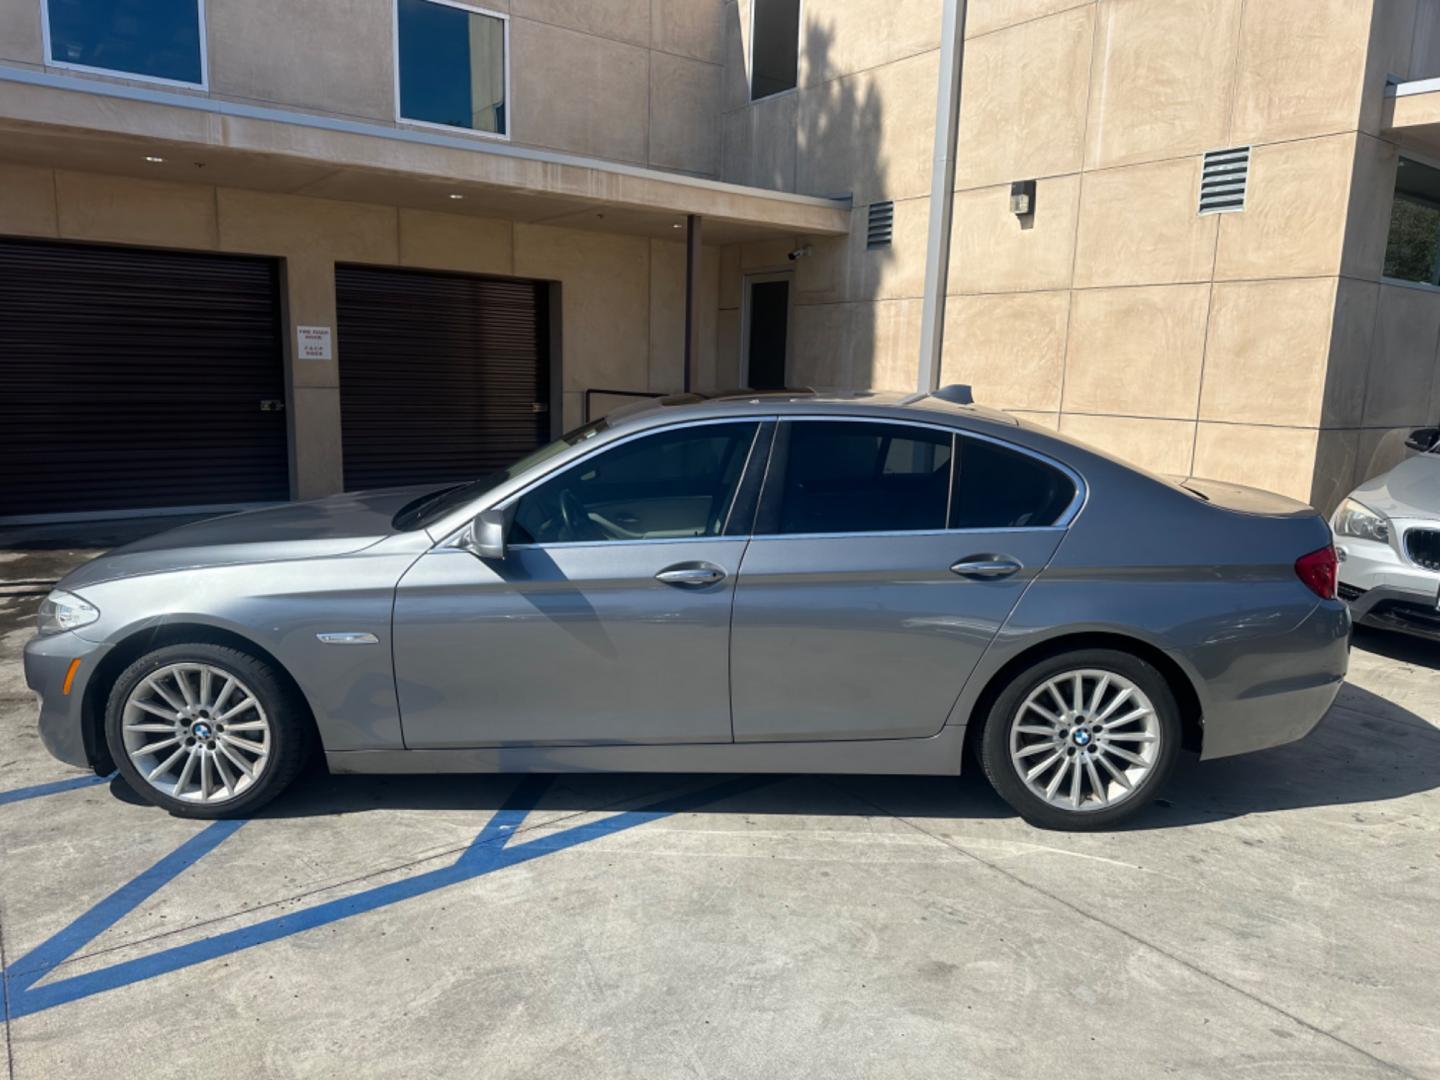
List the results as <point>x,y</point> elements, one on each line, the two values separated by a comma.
<point>1214,588</point>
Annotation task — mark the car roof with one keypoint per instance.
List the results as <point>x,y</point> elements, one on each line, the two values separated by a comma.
<point>950,403</point>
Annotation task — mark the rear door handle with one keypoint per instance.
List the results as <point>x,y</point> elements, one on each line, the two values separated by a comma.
<point>691,576</point>
<point>985,567</point>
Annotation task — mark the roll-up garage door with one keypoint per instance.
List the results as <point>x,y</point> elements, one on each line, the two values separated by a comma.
<point>443,377</point>
<point>134,379</point>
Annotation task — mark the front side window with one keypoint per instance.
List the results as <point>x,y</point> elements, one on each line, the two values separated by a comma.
<point>853,476</point>
<point>667,486</point>
<point>451,60</point>
<point>998,488</point>
<point>774,47</point>
<point>152,39</point>
<point>1412,251</point>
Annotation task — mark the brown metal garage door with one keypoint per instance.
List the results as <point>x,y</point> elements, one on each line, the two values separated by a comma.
<point>442,376</point>
<point>134,379</point>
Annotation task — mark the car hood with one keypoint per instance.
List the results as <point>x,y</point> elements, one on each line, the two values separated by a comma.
<point>333,526</point>
<point>1409,490</point>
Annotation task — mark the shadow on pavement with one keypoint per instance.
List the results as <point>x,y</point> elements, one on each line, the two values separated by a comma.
<point>1367,750</point>
<point>1395,646</point>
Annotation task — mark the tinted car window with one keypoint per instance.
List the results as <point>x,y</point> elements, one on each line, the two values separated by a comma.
<point>842,476</point>
<point>672,484</point>
<point>998,488</point>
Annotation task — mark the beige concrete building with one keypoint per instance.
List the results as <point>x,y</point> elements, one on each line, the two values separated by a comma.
<point>554,155</point>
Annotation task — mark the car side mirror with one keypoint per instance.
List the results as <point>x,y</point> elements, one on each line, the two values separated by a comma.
<point>1423,439</point>
<point>486,536</point>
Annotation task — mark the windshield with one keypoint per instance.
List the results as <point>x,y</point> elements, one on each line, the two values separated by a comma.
<point>428,509</point>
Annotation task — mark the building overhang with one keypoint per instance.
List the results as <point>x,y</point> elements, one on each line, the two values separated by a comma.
<point>1412,115</point>
<point>95,125</point>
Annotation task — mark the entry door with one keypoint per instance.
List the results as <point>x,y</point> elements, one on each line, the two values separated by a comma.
<point>871,589</point>
<point>767,331</point>
<point>609,619</point>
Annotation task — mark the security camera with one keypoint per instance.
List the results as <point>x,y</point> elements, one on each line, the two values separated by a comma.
<point>800,253</point>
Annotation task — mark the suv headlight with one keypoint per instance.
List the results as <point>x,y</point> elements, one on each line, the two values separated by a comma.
<point>61,611</point>
<point>1352,519</point>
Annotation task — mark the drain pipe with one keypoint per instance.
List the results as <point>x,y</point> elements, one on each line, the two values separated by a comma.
<point>942,195</point>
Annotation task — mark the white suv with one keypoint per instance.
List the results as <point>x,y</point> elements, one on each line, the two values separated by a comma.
<point>1387,534</point>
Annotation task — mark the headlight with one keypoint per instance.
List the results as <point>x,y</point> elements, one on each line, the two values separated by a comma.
<point>61,611</point>
<point>1352,519</point>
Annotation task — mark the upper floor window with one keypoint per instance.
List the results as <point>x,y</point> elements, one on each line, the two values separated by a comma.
<point>774,47</point>
<point>161,40</point>
<point>451,65</point>
<point>1412,252</point>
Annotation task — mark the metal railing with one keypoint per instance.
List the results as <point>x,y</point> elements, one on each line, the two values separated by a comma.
<point>585,414</point>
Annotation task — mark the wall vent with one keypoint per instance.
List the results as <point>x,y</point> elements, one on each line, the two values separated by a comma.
<point>881,226</point>
<point>1222,182</point>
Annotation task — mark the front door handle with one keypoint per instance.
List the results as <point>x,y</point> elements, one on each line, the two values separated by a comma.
<point>692,575</point>
<point>985,567</point>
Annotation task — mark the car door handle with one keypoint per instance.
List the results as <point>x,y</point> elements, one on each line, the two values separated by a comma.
<point>984,567</point>
<point>692,576</point>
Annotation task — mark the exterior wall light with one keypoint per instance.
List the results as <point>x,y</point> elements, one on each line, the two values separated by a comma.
<point>1022,197</point>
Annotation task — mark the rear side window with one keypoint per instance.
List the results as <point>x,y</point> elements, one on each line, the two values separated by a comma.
<point>843,477</point>
<point>998,488</point>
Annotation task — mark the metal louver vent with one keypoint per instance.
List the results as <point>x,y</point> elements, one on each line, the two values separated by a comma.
<point>1222,182</point>
<point>881,226</point>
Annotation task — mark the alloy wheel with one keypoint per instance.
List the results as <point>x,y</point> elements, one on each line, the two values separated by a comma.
<point>1084,740</point>
<point>196,732</point>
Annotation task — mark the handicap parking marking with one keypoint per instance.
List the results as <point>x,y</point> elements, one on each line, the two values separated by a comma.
<point>491,850</point>
<point>35,791</point>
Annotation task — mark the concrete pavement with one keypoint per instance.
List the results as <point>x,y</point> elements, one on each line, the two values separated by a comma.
<point>1273,916</point>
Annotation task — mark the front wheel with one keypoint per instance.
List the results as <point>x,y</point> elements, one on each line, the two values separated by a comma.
<point>1082,739</point>
<point>205,731</point>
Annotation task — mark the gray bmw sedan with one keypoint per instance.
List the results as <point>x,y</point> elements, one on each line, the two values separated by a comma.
<point>742,583</point>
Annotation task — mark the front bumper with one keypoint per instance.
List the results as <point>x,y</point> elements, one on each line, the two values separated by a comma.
<point>1384,589</point>
<point>62,715</point>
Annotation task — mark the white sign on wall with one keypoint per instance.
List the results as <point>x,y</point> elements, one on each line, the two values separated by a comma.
<point>313,343</point>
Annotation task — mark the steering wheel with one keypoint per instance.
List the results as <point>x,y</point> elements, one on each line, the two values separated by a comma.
<point>572,512</point>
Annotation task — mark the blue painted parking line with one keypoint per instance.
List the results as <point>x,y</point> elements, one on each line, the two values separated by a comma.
<point>489,852</point>
<point>37,790</point>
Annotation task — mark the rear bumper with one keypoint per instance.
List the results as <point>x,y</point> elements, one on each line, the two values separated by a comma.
<point>1277,693</point>
<point>62,715</point>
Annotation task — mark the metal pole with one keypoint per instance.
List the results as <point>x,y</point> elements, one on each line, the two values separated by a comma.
<point>942,195</point>
<point>694,227</point>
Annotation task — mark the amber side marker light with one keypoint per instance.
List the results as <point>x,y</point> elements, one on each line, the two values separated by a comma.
<point>70,675</point>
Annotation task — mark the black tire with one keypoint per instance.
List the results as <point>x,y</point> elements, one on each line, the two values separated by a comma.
<point>1005,776</point>
<point>289,720</point>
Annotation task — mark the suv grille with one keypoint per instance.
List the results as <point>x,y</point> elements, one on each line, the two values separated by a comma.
<point>1423,547</point>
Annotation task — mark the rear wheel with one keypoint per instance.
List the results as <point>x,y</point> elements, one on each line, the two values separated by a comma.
<point>205,731</point>
<point>1082,740</point>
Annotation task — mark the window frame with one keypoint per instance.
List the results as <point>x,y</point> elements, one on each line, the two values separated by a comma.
<point>750,98</point>
<point>1066,518</point>
<point>1408,283</point>
<point>759,437</point>
<point>90,69</point>
<point>402,120</point>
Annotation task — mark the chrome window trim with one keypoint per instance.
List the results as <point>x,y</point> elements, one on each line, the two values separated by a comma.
<point>1066,518</point>
<point>1060,524</point>
<point>515,496</point>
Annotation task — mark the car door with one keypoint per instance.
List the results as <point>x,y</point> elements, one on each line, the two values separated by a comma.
<point>608,619</point>
<point>886,556</point>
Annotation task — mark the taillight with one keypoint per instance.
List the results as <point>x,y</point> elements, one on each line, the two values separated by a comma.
<point>1320,570</point>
